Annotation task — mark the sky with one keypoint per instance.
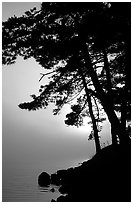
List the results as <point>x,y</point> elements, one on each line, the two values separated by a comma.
<point>36,136</point>
<point>17,8</point>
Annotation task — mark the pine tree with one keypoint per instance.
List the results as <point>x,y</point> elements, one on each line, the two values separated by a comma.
<point>84,44</point>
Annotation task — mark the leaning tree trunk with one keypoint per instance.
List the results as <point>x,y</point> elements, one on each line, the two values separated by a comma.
<point>113,119</point>
<point>96,137</point>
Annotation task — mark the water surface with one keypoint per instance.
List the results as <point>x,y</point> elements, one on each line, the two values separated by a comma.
<point>20,183</point>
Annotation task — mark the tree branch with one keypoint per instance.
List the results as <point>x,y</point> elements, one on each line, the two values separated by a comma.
<point>98,115</point>
<point>46,74</point>
<point>75,95</point>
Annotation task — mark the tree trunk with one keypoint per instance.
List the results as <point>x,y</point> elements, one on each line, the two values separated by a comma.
<point>110,95</point>
<point>123,111</point>
<point>96,137</point>
<point>115,124</point>
<point>108,76</point>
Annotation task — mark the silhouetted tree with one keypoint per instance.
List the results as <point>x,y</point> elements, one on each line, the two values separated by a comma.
<point>78,112</point>
<point>87,45</point>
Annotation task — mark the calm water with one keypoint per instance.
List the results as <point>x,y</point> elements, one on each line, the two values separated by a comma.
<point>20,184</point>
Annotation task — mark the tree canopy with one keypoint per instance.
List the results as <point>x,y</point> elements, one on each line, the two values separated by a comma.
<point>87,47</point>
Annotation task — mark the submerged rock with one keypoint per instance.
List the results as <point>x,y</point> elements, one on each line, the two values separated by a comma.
<point>44,179</point>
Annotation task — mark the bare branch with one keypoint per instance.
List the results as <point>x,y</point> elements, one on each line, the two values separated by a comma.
<point>46,74</point>
<point>75,96</point>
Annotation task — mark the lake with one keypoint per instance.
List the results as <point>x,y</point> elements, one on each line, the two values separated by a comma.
<point>20,183</point>
<point>22,187</point>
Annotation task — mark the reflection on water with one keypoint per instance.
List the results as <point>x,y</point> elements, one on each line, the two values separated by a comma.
<point>21,186</point>
<point>44,189</point>
<point>20,182</point>
<point>50,188</point>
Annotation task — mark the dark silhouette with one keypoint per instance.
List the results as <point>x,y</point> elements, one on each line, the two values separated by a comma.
<point>104,178</point>
<point>87,47</point>
<point>44,179</point>
<point>52,190</point>
<point>81,36</point>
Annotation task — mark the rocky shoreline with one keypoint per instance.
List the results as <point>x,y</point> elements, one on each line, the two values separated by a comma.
<point>104,178</point>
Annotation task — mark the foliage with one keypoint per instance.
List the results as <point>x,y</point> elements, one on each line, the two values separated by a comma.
<point>70,38</point>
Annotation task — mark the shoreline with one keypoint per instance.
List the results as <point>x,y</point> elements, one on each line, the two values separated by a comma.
<point>104,178</point>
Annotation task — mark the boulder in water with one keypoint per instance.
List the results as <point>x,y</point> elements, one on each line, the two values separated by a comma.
<point>44,179</point>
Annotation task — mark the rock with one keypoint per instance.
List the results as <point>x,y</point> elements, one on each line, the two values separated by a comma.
<point>61,173</point>
<point>114,162</point>
<point>53,200</point>
<point>44,179</point>
<point>52,190</point>
<point>55,179</point>
<point>64,189</point>
<point>61,198</point>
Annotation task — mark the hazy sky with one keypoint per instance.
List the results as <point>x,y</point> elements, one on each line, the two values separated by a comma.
<point>17,8</point>
<point>39,135</point>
